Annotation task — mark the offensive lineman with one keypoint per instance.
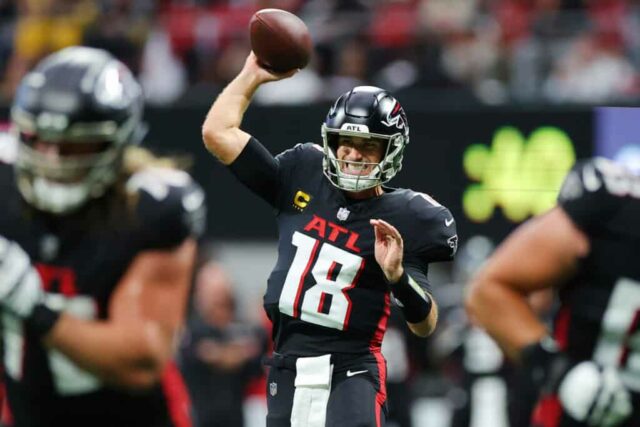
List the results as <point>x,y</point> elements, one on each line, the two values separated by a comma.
<point>588,372</point>
<point>97,245</point>
<point>345,243</point>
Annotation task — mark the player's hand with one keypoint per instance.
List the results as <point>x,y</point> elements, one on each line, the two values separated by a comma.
<point>20,285</point>
<point>595,395</point>
<point>588,392</point>
<point>263,75</point>
<point>389,249</point>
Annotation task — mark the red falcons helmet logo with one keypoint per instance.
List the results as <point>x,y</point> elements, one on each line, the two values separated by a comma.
<point>395,117</point>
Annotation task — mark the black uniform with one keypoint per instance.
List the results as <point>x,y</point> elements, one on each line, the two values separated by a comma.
<point>81,258</point>
<point>327,294</point>
<point>599,318</point>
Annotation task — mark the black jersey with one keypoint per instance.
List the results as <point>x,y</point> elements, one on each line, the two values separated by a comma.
<point>327,293</point>
<point>599,317</point>
<point>81,258</point>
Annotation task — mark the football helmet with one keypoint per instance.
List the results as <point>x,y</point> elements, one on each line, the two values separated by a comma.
<point>365,112</point>
<point>73,115</point>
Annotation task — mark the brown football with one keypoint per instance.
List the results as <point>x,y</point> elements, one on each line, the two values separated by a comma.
<point>280,40</point>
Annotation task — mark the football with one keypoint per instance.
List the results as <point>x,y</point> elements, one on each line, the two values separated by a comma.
<point>280,40</point>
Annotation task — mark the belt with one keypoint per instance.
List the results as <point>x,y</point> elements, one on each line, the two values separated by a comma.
<point>280,361</point>
<point>283,361</point>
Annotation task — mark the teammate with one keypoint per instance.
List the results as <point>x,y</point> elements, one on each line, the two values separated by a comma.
<point>345,242</point>
<point>588,373</point>
<point>96,253</point>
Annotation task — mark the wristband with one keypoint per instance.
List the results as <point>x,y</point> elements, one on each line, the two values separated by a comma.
<point>42,319</point>
<point>412,299</point>
<point>546,363</point>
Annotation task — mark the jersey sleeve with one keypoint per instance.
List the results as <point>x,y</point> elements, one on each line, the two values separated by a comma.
<point>171,207</point>
<point>265,175</point>
<point>418,270</point>
<point>257,170</point>
<point>436,237</point>
<point>592,191</point>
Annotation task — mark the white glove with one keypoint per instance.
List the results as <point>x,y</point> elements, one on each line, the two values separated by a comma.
<point>20,284</point>
<point>595,395</point>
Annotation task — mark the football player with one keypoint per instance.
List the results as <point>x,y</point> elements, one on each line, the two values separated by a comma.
<point>346,244</point>
<point>588,368</point>
<point>97,245</point>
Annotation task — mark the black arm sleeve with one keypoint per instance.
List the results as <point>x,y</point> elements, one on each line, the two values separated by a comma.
<point>418,270</point>
<point>411,292</point>
<point>257,169</point>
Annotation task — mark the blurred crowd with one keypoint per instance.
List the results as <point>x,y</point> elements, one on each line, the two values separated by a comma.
<point>491,51</point>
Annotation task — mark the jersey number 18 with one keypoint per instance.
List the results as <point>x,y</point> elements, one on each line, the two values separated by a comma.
<point>334,270</point>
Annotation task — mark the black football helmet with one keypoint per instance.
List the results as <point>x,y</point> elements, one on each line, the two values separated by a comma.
<point>87,101</point>
<point>365,112</point>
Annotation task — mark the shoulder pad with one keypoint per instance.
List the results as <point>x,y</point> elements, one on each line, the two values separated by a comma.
<point>436,236</point>
<point>599,175</point>
<point>299,150</point>
<point>318,147</point>
<point>594,189</point>
<point>430,200</point>
<point>171,205</point>
<point>297,160</point>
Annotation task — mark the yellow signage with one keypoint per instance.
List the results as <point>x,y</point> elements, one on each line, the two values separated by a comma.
<point>522,176</point>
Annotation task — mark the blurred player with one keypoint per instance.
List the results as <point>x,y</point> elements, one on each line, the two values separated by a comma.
<point>97,244</point>
<point>472,361</point>
<point>589,372</point>
<point>345,243</point>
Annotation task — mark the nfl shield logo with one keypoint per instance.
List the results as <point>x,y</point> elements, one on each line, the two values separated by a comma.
<point>273,389</point>
<point>343,214</point>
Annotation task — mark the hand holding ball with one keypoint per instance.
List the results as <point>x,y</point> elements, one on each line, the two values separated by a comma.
<point>280,40</point>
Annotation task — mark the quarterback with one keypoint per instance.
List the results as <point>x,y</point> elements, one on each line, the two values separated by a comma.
<point>348,245</point>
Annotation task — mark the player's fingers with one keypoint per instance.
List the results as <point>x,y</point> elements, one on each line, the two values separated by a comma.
<point>252,59</point>
<point>390,229</point>
<point>376,226</point>
<point>386,225</point>
<point>393,237</point>
<point>290,73</point>
<point>279,76</point>
<point>376,232</point>
<point>382,236</point>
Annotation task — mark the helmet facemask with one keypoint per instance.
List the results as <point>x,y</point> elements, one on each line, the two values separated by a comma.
<point>63,185</point>
<point>389,165</point>
<point>365,112</point>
